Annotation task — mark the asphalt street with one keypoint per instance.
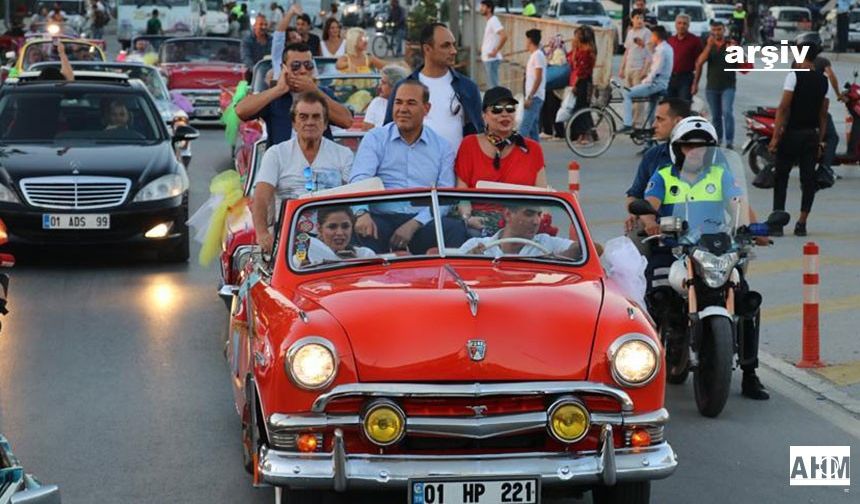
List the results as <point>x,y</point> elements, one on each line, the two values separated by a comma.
<point>113,384</point>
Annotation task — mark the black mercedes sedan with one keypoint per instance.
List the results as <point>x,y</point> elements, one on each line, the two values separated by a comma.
<point>91,163</point>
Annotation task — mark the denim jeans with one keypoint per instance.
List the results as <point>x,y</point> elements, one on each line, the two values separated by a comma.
<point>531,120</point>
<point>722,104</point>
<point>399,35</point>
<point>640,91</point>
<point>492,68</point>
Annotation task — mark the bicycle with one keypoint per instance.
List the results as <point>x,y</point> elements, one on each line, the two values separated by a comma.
<point>603,124</point>
<point>383,43</point>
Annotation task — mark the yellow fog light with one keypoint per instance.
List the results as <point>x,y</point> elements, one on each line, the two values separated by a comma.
<point>568,420</point>
<point>384,423</point>
<point>158,231</point>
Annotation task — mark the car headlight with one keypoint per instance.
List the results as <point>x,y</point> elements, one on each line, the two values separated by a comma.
<point>311,363</point>
<point>634,359</point>
<point>8,195</point>
<point>569,420</point>
<point>714,269</point>
<point>384,423</point>
<point>167,186</point>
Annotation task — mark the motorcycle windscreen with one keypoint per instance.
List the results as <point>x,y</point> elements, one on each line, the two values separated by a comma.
<point>710,192</point>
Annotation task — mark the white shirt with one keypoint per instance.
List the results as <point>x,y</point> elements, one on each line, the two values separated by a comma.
<point>791,82</point>
<point>443,102</point>
<point>375,113</point>
<point>637,56</point>
<point>283,168</point>
<point>340,50</point>
<point>536,60</point>
<point>661,65</point>
<point>552,243</point>
<point>491,39</point>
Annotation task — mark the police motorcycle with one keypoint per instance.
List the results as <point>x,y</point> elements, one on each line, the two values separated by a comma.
<point>704,310</point>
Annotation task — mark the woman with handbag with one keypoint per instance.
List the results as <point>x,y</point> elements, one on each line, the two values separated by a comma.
<point>801,124</point>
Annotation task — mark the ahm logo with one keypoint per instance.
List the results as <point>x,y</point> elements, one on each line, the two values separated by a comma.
<point>784,54</point>
<point>820,466</point>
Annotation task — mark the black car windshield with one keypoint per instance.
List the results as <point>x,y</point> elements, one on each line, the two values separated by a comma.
<point>794,15</point>
<point>75,115</point>
<point>670,12</point>
<point>146,74</point>
<point>526,228</point>
<point>200,51</point>
<point>581,9</point>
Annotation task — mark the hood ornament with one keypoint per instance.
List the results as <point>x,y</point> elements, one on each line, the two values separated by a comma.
<point>471,295</point>
<point>477,349</point>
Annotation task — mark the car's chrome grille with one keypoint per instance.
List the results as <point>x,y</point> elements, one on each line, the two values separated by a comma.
<point>75,192</point>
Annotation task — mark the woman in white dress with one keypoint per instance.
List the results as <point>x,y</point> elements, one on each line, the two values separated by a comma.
<point>333,44</point>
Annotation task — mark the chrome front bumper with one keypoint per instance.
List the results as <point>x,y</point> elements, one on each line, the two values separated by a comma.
<point>339,471</point>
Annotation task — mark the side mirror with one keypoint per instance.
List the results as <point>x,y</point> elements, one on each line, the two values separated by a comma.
<point>778,218</point>
<point>641,207</point>
<point>185,132</point>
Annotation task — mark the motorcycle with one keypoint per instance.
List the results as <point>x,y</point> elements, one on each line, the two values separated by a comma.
<point>697,309</point>
<point>760,124</point>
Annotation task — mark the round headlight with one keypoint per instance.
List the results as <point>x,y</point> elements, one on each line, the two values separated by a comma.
<point>568,420</point>
<point>311,363</point>
<point>384,423</point>
<point>635,360</point>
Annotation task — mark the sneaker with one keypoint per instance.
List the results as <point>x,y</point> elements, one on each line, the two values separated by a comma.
<point>752,388</point>
<point>775,231</point>
<point>800,229</point>
<point>625,130</point>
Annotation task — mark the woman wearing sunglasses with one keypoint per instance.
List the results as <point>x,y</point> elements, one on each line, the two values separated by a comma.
<point>499,154</point>
<point>334,238</point>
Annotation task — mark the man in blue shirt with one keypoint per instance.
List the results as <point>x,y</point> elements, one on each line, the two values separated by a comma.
<point>669,112</point>
<point>405,154</point>
<point>274,104</point>
<point>258,44</point>
<point>657,80</point>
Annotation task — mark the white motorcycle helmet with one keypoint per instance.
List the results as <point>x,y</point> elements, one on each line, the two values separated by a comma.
<point>693,130</point>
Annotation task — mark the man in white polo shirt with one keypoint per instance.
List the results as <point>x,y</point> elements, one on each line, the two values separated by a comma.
<point>491,47</point>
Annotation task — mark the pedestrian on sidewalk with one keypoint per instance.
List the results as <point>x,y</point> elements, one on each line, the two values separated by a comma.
<point>687,48</point>
<point>636,56</point>
<point>720,90</point>
<point>535,89</point>
<point>801,123</point>
<point>582,59</point>
<point>494,39</point>
<point>843,11</point>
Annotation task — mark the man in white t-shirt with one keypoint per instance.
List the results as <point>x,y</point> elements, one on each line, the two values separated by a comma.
<point>306,163</point>
<point>535,90</point>
<point>456,110</point>
<point>521,227</point>
<point>636,56</point>
<point>491,47</point>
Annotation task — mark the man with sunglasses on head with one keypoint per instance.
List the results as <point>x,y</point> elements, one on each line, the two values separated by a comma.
<point>457,102</point>
<point>275,104</point>
<point>306,163</point>
<point>405,154</point>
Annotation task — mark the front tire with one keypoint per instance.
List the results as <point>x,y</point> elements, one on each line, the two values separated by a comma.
<point>713,377</point>
<point>638,492</point>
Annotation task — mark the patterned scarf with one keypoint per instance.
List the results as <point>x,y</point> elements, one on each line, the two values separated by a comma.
<point>501,143</point>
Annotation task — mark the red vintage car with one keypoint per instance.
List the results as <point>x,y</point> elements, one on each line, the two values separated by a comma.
<point>200,68</point>
<point>499,363</point>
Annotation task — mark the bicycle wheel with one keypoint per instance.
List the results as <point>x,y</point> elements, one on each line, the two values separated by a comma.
<point>600,133</point>
<point>380,46</point>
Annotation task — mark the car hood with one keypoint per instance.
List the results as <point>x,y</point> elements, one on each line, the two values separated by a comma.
<point>415,324</point>
<point>140,163</point>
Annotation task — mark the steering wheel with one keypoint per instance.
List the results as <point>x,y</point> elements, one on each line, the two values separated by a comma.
<point>524,241</point>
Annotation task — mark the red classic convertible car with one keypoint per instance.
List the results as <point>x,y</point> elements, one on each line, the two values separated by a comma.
<point>493,361</point>
<point>199,68</point>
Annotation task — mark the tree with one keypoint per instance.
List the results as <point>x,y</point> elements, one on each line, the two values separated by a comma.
<point>424,13</point>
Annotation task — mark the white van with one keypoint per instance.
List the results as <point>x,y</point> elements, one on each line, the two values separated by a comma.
<point>667,10</point>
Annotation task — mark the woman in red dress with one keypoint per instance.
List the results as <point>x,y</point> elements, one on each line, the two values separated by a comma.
<point>500,154</point>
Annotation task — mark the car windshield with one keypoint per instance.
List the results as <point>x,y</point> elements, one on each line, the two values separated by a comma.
<point>670,12</point>
<point>794,16</point>
<point>581,9</point>
<point>59,114</point>
<point>39,52</point>
<point>163,3</point>
<point>73,7</point>
<point>150,76</point>
<point>154,41</point>
<point>201,50</point>
<point>259,82</point>
<point>503,227</point>
<point>355,93</point>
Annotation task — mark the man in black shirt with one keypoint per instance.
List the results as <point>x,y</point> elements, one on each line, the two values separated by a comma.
<point>801,123</point>
<point>303,26</point>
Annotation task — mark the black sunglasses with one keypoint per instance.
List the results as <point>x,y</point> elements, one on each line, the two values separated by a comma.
<point>510,108</point>
<point>296,65</point>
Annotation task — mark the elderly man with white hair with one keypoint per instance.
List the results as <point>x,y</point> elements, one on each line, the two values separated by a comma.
<point>374,116</point>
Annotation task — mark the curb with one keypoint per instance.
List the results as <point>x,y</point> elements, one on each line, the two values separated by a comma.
<point>808,380</point>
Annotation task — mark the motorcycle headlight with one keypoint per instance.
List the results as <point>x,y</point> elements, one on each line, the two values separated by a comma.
<point>8,195</point>
<point>634,359</point>
<point>379,24</point>
<point>168,186</point>
<point>714,269</point>
<point>311,363</point>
